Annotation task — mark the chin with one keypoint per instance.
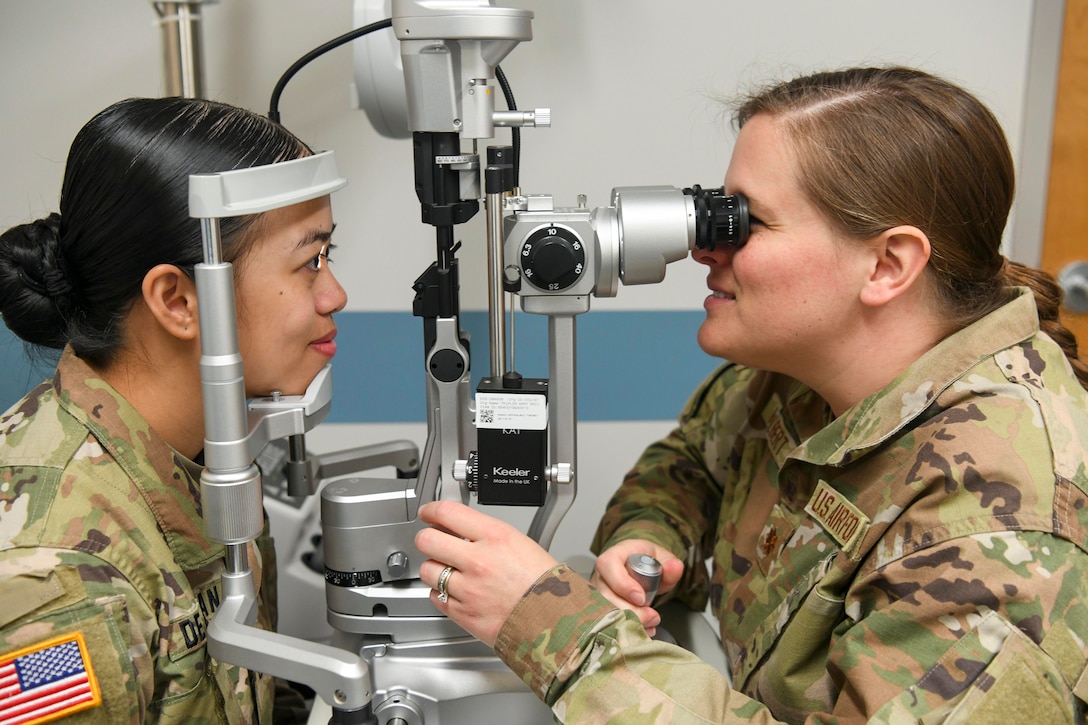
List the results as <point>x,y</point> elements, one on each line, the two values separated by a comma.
<point>715,347</point>
<point>292,379</point>
<point>711,344</point>
<point>305,381</point>
<point>288,388</point>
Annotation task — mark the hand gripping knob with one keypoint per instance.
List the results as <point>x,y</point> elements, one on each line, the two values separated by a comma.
<point>647,571</point>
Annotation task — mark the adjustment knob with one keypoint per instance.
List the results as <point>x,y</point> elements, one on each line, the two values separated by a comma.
<point>465,471</point>
<point>397,564</point>
<point>553,258</point>
<point>646,570</point>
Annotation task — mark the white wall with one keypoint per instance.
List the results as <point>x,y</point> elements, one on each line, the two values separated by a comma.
<point>630,83</point>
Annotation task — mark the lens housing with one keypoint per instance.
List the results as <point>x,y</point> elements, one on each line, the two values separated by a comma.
<point>720,218</point>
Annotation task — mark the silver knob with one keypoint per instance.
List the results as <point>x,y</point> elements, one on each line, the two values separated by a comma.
<point>560,473</point>
<point>397,564</point>
<point>646,570</point>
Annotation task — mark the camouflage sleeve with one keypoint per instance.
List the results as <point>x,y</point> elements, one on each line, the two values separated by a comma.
<point>915,646</point>
<point>964,632</point>
<point>671,496</point>
<point>47,594</point>
<point>591,662</point>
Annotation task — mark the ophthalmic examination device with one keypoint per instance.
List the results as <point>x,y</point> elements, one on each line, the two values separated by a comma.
<point>393,658</point>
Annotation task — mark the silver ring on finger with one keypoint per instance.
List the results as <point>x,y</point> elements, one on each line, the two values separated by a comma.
<point>443,583</point>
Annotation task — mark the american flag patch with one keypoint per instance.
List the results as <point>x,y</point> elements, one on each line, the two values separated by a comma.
<point>47,681</point>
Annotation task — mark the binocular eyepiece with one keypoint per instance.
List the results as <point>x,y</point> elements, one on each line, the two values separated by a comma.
<point>720,218</point>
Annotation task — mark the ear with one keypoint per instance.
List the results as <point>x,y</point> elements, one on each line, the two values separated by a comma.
<point>900,257</point>
<point>170,296</point>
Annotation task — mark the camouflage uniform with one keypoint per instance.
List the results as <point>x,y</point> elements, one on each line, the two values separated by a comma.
<point>101,533</point>
<point>920,558</point>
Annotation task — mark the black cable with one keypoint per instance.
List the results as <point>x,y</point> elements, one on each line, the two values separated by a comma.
<point>515,132</point>
<point>273,104</point>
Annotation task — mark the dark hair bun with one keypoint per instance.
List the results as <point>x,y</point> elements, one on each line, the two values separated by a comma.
<point>34,289</point>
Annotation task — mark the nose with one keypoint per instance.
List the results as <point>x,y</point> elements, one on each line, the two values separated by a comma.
<point>721,254</point>
<point>332,297</point>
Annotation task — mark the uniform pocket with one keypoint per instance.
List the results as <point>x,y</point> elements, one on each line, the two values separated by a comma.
<point>190,695</point>
<point>791,672</point>
<point>762,603</point>
<point>995,673</point>
<point>202,689</point>
<point>188,691</point>
<point>26,593</point>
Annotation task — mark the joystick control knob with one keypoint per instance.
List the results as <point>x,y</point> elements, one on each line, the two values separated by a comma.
<point>647,571</point>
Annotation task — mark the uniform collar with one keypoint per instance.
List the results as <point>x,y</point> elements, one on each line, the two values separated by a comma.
<point>879,416</point>
<point>163,477</point>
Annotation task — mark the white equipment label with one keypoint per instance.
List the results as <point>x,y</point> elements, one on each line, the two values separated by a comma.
<point>524,411</point>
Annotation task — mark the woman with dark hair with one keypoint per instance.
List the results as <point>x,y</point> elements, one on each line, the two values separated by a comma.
<point>104,564</point>
<point>889,477</point>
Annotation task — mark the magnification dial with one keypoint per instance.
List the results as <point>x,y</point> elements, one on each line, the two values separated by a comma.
<point>553,258</point>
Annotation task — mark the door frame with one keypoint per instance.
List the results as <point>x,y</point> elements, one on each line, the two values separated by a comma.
<point>1024,239</point>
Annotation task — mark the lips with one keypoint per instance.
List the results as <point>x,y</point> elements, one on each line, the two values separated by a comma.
<point>717,298</point>
<point>325,345</point>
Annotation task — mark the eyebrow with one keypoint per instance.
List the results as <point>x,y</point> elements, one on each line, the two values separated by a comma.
<point>315,236</point>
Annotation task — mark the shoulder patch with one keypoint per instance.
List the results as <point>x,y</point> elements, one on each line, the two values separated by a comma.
<point>47,681</point>
<point>840,518</point>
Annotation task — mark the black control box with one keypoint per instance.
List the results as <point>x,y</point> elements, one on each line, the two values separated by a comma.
<point>511,441</point>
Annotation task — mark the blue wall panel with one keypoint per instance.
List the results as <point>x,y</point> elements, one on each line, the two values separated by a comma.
<point>631,365</point>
